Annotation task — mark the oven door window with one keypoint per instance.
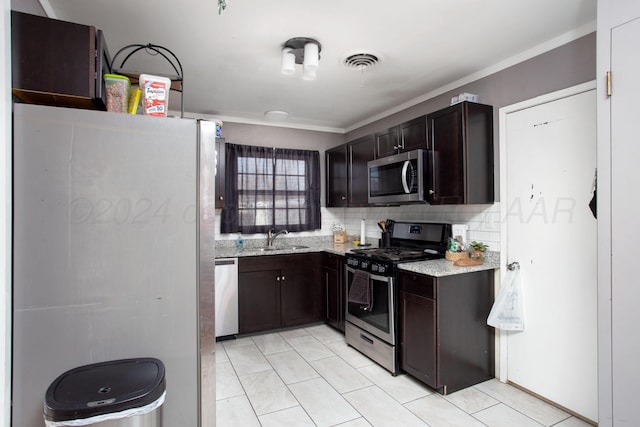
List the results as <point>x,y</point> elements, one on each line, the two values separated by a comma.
<point>378,315</point>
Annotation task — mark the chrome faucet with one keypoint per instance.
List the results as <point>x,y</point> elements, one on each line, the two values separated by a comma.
<point>271,236</point>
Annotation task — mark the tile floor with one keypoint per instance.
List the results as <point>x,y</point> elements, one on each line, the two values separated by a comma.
<point>310,377</point>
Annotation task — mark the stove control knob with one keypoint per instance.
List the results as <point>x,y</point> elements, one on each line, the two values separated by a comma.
<point>374,267</point>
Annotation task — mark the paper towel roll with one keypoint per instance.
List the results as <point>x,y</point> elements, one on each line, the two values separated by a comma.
<point>362,242</point>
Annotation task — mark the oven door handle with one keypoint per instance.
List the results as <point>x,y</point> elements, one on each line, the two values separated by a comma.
<point>387,279</point>
<point>349,269</point>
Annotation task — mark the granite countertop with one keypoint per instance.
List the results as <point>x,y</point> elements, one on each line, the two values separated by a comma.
<point>284,246</point>
<point>300,245</point>
<point>443,267</point>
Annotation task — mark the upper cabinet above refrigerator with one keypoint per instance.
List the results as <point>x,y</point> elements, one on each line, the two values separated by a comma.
<point>57,63</point>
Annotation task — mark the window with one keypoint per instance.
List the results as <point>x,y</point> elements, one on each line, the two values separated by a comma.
<point>271,188</point>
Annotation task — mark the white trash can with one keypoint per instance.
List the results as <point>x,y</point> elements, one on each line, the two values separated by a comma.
<point>118,393</point>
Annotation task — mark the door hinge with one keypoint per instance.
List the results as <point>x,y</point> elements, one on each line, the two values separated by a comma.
<point>608,83</point>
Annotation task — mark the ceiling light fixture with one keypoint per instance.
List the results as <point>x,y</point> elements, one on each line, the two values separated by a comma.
<point>304,51</point>
<point>276,114</point>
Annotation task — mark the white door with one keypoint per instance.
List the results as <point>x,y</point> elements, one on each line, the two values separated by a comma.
<point>625,232</point>
<point>549,162</point>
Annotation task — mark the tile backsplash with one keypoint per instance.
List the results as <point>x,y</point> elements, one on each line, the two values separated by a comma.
<point>483,221</point>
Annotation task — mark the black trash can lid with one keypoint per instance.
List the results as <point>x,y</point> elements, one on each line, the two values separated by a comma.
<point>104,388</point>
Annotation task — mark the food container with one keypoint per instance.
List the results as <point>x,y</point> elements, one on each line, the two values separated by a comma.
<point>340,236</point>
<point>134,100</point>
<point>219,125</point>
<point>117,90</point>
<point>155,95</point>
<point>464,96</point>
<point>471,97</point>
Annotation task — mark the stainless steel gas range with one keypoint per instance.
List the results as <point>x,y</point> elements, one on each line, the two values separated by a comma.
<point>371,291</point>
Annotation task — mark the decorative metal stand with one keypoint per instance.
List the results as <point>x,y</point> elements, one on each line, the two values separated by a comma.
<point>177,81</point>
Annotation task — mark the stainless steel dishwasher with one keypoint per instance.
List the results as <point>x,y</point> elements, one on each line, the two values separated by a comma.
<point>226,297</point>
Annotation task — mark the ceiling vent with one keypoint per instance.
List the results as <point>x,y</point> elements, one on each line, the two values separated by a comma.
<point>361,61</point>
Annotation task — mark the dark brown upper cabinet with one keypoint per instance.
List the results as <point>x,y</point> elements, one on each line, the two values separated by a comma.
<point>57,63</point>
<point>347,173</point>
<point>411,135</point>
<point>220,172</point>
<point>336,177</point>
<point>461,154</point>
<point>360,152</point>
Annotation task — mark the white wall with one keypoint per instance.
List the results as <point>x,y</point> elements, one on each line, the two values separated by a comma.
<point>5,216</point>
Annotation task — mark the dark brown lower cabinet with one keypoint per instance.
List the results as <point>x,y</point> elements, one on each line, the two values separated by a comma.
<point>334,293</point>
<point>258,300</point>
<point>444,338</point>
<point>278,291</point>
<point>419,347</point>
<point>300,289</point>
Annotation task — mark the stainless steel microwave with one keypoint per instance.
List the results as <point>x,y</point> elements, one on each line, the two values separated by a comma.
<point>398,179</point>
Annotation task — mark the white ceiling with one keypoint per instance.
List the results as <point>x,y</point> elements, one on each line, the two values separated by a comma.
<point>232,61</point>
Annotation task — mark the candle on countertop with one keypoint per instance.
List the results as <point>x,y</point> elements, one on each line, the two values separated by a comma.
<point>362,242</point>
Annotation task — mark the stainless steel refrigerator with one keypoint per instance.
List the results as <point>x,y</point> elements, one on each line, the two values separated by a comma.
<point>113,252</point>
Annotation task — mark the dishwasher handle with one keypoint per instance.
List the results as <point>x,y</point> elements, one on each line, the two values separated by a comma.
<point>225,261</point>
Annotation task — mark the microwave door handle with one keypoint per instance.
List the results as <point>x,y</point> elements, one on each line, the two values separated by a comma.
<point>406,185</point>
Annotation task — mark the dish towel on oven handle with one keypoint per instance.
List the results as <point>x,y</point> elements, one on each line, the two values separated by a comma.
<point>507,312</point>
<point>360,290</point>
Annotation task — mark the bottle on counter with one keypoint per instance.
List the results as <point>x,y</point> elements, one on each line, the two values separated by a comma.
<point>239,242</point>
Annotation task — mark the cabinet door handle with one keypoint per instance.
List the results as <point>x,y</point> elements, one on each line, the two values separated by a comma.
<point>277,278</point>
<point>326,288</point>
<point>432,192</point>
<point>220,198</point>
<point>282,278</point>
<point>343,197</point>
<point>402,141</point>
